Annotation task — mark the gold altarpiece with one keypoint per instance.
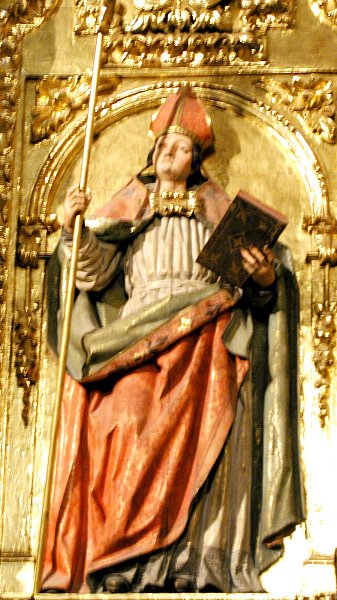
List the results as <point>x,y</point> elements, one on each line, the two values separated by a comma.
<point>266,72</point>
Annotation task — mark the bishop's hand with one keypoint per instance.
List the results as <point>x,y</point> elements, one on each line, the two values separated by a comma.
<point>75,202</point>
<point>259,264</point>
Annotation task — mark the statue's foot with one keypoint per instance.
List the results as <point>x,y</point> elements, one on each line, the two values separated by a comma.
<point>116,583</point>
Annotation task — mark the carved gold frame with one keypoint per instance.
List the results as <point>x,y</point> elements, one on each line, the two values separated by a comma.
<point>22,338</point>
<point>280,126</point>
<point>39,209</point>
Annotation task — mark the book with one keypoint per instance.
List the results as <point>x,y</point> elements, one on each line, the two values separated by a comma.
<point>247,222</point>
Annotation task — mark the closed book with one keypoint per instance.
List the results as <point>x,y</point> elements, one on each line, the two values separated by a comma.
<point>247,222</point>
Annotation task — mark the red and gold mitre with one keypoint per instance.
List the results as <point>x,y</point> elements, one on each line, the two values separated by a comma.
<point>183,113</point>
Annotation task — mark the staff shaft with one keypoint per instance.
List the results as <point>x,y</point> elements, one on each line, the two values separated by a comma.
<point>69,302</point>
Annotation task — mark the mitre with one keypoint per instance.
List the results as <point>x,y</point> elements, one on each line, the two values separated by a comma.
<point>183,113</point>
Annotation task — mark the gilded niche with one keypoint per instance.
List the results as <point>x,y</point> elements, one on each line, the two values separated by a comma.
<point>185,32</point>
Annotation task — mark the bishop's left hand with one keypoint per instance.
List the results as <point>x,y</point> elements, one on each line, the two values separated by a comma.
<point>259,264</point>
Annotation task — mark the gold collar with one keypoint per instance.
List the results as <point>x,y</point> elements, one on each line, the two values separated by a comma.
<point>183,204</point>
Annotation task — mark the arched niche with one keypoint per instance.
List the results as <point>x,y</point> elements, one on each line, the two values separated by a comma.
<point>256,149</point>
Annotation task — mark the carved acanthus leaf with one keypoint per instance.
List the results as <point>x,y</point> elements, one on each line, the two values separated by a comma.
<point>32,231</point>
<point>327,9</point>
<point>323,228</point>
<point>58,100</point>
<point>323,356</point>
<point>91,16</point>
<point>262,15</point>
<point>186,19</point>
<point>193,32</point>
<point>192,49</point>
<point>4,237</point>
<point>16,19</point>
<point>311,100</point>
<point>25,331</point>
<point>22,16</point>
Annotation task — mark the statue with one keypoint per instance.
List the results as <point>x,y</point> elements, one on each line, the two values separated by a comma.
<point>177,466</point>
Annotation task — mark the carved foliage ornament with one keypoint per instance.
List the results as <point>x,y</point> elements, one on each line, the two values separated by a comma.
<point>32,230</point>
<point>90,16</point>
<point>17,19</point>
<point>186,32</point>
<point>312,100</point>
<point>25,330</point>
<point>58,100</point>
<point>326,9</point>
<point>323,230</point>
<point>31,233</point>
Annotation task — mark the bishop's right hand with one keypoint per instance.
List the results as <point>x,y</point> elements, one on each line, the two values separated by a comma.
<point>75,202</point>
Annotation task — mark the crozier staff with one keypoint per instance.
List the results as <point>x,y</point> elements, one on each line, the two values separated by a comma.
<point>172,383</point>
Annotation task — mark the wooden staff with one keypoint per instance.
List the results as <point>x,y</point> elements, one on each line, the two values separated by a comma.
<point>70,294</point>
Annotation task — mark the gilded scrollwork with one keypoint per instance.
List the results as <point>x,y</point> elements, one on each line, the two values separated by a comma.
<point>4,237</point>
<point>323,357</point>
<point>20,17</point>
<point>89,16</point>
<point>8,95</point>
<point>312,100</point>
<point>25,331</point>
<point>16,19</point>
<point>31,232</point>
<point>182,49</point>
<point>58,100</point>
<point>182,32</point>
<point>264,14</point>
<point>327,9</point>
<point>324,322</point>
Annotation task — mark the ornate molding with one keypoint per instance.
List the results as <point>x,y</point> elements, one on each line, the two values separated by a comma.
<point>165,34</point>
<point>265,14</point>
<point>4,237</point>
<point>26,343</point>
<point>323,229</point>
<point>16,20</point>
<point>58,101</point>
<point>312,101</point>
<point>19,18</point>
<point>158,49</point>
<point>88,15</point>
<point>323,356</point>
<point>32,232</point>
<point>327,9</point>
<point>185,32</point>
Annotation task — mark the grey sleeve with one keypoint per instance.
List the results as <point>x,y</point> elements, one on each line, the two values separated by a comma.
<point>98,262</point>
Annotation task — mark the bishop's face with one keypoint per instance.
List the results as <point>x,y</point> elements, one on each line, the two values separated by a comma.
<point>172,157</point>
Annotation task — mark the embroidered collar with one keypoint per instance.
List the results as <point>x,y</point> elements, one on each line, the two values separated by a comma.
<point>183,204</point>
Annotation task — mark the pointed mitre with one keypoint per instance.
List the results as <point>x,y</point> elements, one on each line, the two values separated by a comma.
<point>183,113</point>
